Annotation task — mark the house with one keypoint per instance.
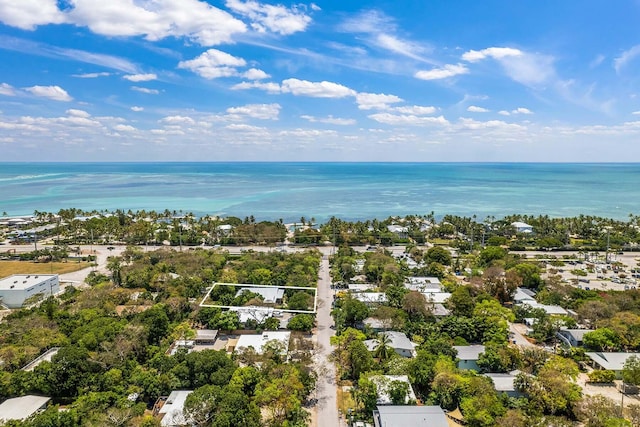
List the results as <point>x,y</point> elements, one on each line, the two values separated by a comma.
<point>46,356</point>
<point>170,410</point>
<point>376,325</point>
<point>370,298</point>
<point>423,284</point>
<point>468,356</point>
<point>269,294</point>
<point>361,287</point>
<point>21,408</point>
<point>206,337</point>
<point>225,229</point>
<point>398,341</point>
<point>436,297</point>
<point>405,416</point>
<point>572,337</point>
<point>524,295</point>
<point>610,361</point>
<point>504,383</point>
<point>400,231</point>
<point>522,227</point>
<point>16,289</point>
<point>383,383</point>
<point>258,341</point>
<point>259,314</point>
<point>549,309</point>
<point>438,310</point>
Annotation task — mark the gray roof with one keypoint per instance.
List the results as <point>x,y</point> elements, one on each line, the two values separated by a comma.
<point>206,334</point>
<point>577,334</point>
<point>469,352</point>
<point>23,407</point>
<point>611,361</point>
<point>405,416</point>
<point>503,382</point>
<point>269,294</point>
<point>398,340</point>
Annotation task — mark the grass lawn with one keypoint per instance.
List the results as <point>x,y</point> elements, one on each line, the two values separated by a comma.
<point>7,268</point>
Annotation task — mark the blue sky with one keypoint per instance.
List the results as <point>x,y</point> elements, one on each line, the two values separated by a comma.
<point>237,80</point>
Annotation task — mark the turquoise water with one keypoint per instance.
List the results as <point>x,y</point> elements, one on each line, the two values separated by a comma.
<point>350,191</point>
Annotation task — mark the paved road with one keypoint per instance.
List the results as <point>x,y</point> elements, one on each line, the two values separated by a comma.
<point>326,413</point>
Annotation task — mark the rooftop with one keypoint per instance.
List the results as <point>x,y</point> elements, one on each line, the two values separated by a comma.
<point>173,407</point>
<point>503,382</point>
<point>23,281</point>
<point>383,382</point>
<point>469,352</point>
<point>414,416</point>
<point>611,361</point>
<point>269,294</point>
<point>258,341</point>
<point>20,408</point>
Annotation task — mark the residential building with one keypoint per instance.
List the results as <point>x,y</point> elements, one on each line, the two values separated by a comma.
<point>505,383</point>
<point>522,227</point>
<point>468,356</point>
<point>423,284</point>
<point>16,289</point>
<point>398,230</point>
<point>269,294</point>
<point>383,383</point>
<point>398,341</point>
<point>21,408</point>
<point>405,416</point>
<point>610,361</point>
<point>572,337</point>
<point>170,409</point>
<point>370,298</point>
<point>258,341</point>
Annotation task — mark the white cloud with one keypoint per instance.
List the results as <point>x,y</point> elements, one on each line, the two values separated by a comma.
<point>91,75</point>
<point>504,113</point>
<point>178,120</point>
<point>244,128</point>
<point>55,93</point>
<point>329,120</point>
<point>145,90</point>
<point>491,124</point>
<point>408,119</point>
<point>265,17</point>
<point>256,111</point>
<point>255,74</point>
<point>268,87</point>
<point>316,89</point>
<point>28,14</point>
<point>626,57</point>
<point>140,77</point>
<point>137,109</point>
<point>526,68</point>
<point>416,110</point>
<point>155,20</point>
<point>637,113</point>
<point>78,113</point>
<point>379,101</point>
<point>382,30</point>
<point>213,64</point>
<point>476,109</point>
<point>491,52</point>
<point>521,110</point>
<point>124,128</point>
<point>445,72</point>
<point>7,90</point>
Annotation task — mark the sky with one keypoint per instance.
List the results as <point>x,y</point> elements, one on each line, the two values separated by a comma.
<point>244,80</point>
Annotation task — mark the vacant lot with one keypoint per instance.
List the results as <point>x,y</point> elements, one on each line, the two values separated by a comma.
<point>7,268</point>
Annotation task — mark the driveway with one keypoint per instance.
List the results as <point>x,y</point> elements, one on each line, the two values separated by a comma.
<point>326,413</point>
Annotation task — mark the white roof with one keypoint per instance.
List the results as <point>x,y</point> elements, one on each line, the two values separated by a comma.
<point>23,281</point>
<point>405,416</point>
<point>436,297</point>
<point>611,361</point>
<point>259,314</point>
<point>469,352</point>
<point>503,382</point>
<point>519,224</point>
<point>397,228</point>
<point>397,340</point>
<point>423,284</point>
<point>370,297</point>
<point>523,294</point>
<point>20,408</point>
<point>549,309</point>
<point>269,294</point>
<point>258,341</point>
<point>383,382</point>
<point>173,409</point>
<point>361,287</point>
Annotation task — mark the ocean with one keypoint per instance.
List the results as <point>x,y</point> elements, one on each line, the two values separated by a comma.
<point>350,191</point>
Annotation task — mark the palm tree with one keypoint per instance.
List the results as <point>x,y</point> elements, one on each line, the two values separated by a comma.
<point>383,351</point>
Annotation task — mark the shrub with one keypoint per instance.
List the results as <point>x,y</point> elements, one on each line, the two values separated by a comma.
<point>602,376</point>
